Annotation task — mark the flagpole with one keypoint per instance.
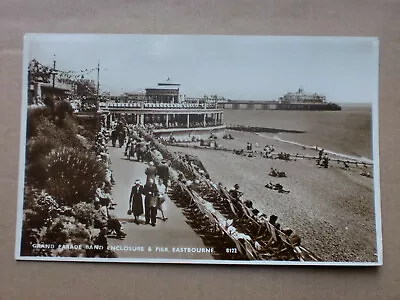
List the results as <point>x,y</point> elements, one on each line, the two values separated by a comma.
<point>98,78</point>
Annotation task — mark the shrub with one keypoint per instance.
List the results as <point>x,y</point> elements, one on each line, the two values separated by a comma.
<point>39,211</point>
<point>40,145</point>
<point>72,175</point>
<point>34,118</point>
<point>66,230</point>
<point>36,150</point>
<point>49,102</point>
<point>62,109</point>
<point>84,213</point>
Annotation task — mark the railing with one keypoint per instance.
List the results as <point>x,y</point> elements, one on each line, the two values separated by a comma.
<point>138,105</point>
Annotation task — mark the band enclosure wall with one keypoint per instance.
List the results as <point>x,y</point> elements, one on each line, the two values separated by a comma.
<point>40,280</point>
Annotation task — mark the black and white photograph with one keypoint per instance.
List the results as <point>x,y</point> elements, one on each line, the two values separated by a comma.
<point>200,149</point>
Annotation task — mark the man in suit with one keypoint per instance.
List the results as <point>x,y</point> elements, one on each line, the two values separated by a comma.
<point>150,201</point>
<point>163,172</point>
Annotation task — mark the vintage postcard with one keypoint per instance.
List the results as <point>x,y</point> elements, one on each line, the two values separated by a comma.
<point>200,149</point>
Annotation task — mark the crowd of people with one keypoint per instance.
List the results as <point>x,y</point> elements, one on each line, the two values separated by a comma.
<point>196,179</point>
<point>154,192</point>
<point>192,124</point>
<point>260,217</point>
<point>244,206</point>
<point>150,197</point>
<point>106,221</point>
<point>323,159</point>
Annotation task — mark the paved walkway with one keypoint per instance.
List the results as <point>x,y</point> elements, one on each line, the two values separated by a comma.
<point>173,233</point>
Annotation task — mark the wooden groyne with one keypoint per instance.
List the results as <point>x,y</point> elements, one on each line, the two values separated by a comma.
<point>262,129</point>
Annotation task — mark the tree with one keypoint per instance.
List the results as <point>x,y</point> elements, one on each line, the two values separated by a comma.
<point>86,87</point>
<point>39,72</point>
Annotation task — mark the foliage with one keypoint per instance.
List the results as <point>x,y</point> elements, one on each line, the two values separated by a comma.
<point>39,211</point>
<point>61,179</point>
<point>84,213</point>
<point>39,72</point>
<point>73,175</point>
<point>47,222</point>
<point>66,230</point>
<point>35,116</point>
<point>47,137</point>
<point>61,111</point>
<point>86,87</point>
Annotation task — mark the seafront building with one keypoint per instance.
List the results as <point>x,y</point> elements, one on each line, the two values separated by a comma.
<point>163,108</point>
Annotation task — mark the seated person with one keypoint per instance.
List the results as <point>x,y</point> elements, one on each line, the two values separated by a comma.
<point>295,240</point>
<point>248,203</point>
<point>273,219</point>
<point>112,222</point>
<point>272,172</point>
<point>287,231</point>
<point>235,192</point>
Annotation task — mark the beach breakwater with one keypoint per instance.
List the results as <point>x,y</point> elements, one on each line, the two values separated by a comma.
<point>217,216</point>
<point>262,129</point>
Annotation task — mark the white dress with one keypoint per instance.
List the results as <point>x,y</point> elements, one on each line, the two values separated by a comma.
<point>162,197</point>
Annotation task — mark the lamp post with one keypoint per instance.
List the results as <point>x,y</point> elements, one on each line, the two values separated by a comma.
<point>54,69</point>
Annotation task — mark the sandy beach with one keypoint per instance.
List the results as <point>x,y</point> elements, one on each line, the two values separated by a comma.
<point>331,209</point>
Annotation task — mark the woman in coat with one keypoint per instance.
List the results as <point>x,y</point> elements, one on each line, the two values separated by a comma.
<point>135,200</point>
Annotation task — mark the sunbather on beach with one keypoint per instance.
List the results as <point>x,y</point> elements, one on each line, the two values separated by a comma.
<point>277,187</point>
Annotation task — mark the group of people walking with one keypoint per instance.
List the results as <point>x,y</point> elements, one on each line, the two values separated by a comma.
<point>154,192</point>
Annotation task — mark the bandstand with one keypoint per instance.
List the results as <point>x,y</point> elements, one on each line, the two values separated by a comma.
<point>163,111</point>
<point>164,115</point>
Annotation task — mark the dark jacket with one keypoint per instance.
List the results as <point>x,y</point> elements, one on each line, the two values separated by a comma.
<point>151,172</point>
<point>163,171</point>
<point>135,200</point>
<point>151,194</point>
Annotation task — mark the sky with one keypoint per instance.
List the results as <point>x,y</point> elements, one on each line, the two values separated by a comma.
<point>344,69</point>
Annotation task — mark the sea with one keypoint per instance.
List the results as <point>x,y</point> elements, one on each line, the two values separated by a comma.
<point>347,132</point>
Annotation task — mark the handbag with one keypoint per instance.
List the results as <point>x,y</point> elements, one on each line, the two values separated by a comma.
<point>129,212</point>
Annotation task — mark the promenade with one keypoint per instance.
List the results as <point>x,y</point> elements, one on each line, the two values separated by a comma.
<point>173,233</point>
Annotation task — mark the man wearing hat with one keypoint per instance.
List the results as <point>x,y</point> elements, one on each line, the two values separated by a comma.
<point>135,200</point>
<point>151,172</point>
<point>163,172</point>
<point>150,201</point>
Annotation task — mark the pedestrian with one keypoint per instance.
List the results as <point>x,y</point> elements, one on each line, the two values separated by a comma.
<point>136,200</point>
<point>150,202</point>
<point>121,138</point>
<point>325,161</point>
<point>162,198</point>
<point>163,172</point>
<point>151,172</point>
<point>140,150</point>
<point>114,136</point>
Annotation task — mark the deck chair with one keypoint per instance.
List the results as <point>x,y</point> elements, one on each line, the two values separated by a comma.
<point>234,240</point>
<point>251,253</point>
<point>307,254</point>
<point>228,198</point>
